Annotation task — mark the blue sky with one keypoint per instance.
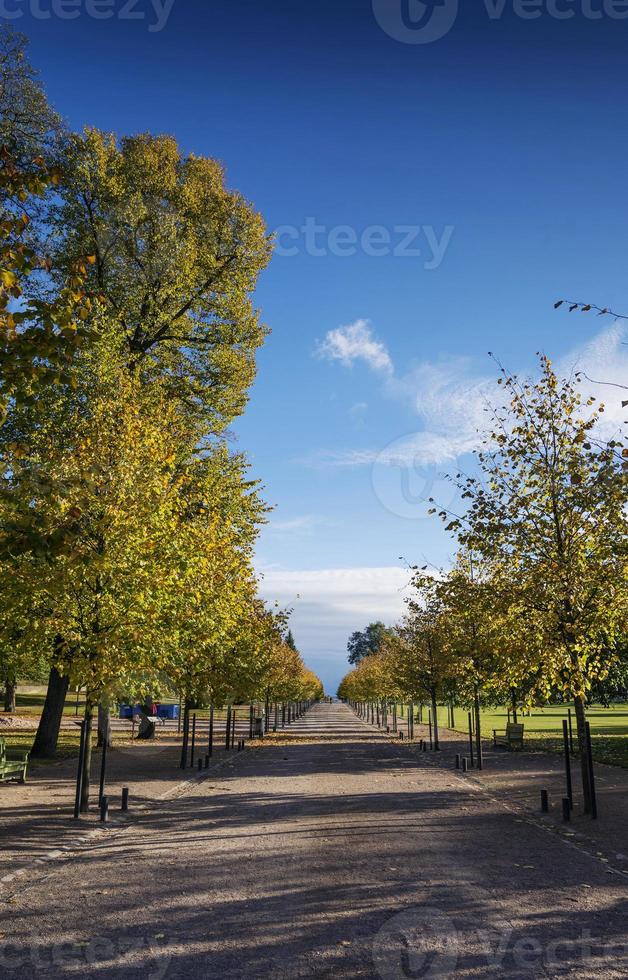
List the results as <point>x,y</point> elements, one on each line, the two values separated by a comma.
<point>497,151</point>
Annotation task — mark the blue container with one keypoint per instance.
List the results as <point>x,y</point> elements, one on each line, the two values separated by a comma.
<point>170,711</point>
<point>126,711</point>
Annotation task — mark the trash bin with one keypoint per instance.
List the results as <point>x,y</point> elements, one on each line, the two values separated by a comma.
<point>258,727</point>
<point>169,711</point>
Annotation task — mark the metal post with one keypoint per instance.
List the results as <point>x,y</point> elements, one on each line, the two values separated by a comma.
<point>79,775</point>
<point>193,739</point>
<point>570,730</point>
<point>457,760</point>
<point>251,715</point>
<point>544,801</point>
<point>470,740</point>
<point>210,746</point>
<point>567,763</point>
<point>124,806</point>
<point>464,765</point>
<point>184,741</point>
<point>200,762</point>
<point>228,728</point>
<point>478,734</point>
<point>591,776</point>
<point>103,767</point>
<point>566,809</point>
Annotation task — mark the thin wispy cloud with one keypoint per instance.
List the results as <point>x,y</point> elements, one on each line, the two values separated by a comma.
<point>304,524</point>
<point>450,398</point>
<point>356,342</point>
<point>348,597</point>
<point>603,366</point>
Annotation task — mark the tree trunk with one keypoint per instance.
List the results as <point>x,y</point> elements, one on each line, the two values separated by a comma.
<point>87,758</point>
<point>45,746</point>
<point>435,719</point>
<point>581,720</point>
<point>10,688</point>
<point>513,699</point>
<point>104,726</point>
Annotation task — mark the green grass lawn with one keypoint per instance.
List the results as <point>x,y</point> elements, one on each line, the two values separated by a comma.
<point>543,729</point>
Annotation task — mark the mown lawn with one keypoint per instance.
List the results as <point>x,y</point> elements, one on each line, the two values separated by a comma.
<point>543,728</point>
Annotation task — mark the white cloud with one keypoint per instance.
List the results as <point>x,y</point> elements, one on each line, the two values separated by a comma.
<point>355,342</point>
<point>349,597</point>
<point>305,524</point>
<point>357,411</point>
<point>450,396</point>
<point>603,362</point>
<point>329,604</point>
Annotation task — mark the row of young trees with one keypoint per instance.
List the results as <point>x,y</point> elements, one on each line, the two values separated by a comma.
<point>536,603</point>
<point>128,338</point>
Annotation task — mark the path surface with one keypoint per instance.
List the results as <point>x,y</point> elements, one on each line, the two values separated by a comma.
<point>344,856</point>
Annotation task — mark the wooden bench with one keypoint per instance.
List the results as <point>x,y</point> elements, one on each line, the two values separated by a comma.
<point>511,738</point>
<point>13,763</point>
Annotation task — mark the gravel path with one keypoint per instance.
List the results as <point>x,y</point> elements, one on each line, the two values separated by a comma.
<point>339,856</point>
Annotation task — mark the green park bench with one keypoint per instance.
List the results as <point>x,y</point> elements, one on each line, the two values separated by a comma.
<point>13,763</point>
<point>511,738</point>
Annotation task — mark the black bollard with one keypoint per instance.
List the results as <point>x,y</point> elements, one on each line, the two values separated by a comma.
<point>200,762</point>
<point>228,729</point>
<point>124,806</point>
<point>591,774</point>
<point>470,740</point>
<point>79,774</point>
<point>457,760</point>
<point>103,765</point>
<point>567,764</point>
<point>566,809</point>
<point>104,809</point>
<point>207,761</point>
<point>570,730</point>
<point>210,745</point>
<point>464,765</point>
<point>193,739</point>
<point>544,801</point>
